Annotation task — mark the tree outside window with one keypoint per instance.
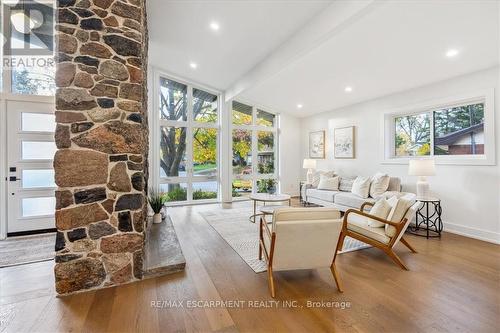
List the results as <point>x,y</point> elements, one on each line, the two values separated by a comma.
<point>457,130</point>
<point>412,135</point>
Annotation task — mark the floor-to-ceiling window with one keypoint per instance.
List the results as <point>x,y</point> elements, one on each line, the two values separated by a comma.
<point>188,142</point>
<point>254,150</point>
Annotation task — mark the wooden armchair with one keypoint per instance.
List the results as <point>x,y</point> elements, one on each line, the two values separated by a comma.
<point>356,225</point>
<point>300,238</point>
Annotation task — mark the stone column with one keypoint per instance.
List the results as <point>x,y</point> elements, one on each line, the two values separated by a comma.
<point>101,136</point>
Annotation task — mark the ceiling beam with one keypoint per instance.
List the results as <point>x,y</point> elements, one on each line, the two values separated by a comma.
<point>321,28</point>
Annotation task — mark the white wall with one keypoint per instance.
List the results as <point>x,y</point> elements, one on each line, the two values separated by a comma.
<point>290,154</point>
<point>470,194</point>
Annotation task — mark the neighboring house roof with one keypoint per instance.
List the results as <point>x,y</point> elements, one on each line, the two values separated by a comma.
<point>451,138</point>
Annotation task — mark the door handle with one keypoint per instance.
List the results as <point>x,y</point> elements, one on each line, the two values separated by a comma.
<point>13,178</point>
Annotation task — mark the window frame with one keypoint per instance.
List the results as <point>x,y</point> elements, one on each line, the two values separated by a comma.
<point>389,129</point>
<point>254,128</point>
<point>155,122</point>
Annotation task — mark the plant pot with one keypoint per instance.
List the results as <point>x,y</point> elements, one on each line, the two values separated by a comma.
<point>157,218</point>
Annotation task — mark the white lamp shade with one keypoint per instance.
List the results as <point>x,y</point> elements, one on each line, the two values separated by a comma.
<point>422,168</point>
<point>309,163</point>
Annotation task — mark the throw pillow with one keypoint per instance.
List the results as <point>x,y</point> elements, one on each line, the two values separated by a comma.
<point>380,209</point>
<point>397,212</point>
<point>380,184</point>
<point>328,183</point>
<point>317,176</point>
<point>393,201</point>
<point>346,184</point>
<point>361,187</point>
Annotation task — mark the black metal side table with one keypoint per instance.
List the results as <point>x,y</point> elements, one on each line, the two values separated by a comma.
<point>301,200</point>
<point>430,224</point>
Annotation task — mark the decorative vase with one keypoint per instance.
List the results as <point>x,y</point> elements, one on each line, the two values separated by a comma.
<point>157,218</point>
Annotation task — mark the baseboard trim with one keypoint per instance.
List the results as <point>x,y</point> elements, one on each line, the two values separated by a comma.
<point>480,234</point>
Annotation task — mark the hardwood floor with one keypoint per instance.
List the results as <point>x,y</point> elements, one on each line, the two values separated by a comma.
<point>452,286</point>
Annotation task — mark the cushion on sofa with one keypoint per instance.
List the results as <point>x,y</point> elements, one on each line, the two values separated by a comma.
<point>345,184</point>
<point>359,224</point>
<point>361,187</point>
<point>390,194</point>
<point>394,184</point>
<point>328,183</point>
<point>380,183</point>
<point>380,209</point>
<point>321,194</point>
<point>317,175</point>
<point>350,199</point>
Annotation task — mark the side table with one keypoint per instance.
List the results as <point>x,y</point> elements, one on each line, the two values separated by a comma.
<point>265,197</point>
<point>430,224</point>
<point>301,199</point>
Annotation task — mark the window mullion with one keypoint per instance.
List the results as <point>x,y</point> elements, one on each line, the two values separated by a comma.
<point>189,144</point>
<point>431,128</point>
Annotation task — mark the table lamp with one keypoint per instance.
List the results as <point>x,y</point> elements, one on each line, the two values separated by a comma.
<point>422,169</point>
<point>309,164</point>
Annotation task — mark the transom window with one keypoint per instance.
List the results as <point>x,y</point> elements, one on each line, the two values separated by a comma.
<point>28,66</point>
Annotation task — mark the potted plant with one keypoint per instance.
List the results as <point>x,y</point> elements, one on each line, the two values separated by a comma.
<point>156,200</point>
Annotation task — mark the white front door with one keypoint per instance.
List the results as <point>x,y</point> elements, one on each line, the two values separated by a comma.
<point>30,173</point>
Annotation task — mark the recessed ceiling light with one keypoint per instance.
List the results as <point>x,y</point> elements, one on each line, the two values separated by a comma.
<point>451,53</point>
<point>214,26</point>
<point>299,106</point>
<point>193,65</point>
<point>348,89</point>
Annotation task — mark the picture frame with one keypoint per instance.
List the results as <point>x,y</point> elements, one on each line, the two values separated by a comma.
<point>317,144</point>
<point>344,142</point>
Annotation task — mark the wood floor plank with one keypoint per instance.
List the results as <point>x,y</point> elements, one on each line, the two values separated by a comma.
<point>452,286</point>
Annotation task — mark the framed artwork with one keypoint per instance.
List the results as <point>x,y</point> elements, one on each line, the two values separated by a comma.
<point>343,142</point>
<point>317,144</point>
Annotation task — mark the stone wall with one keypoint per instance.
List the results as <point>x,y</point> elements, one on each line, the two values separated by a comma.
<point>101,136</point>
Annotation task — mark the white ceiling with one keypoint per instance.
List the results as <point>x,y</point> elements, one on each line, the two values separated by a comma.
<point>395,47</point>
<point>249,30</point>
<point>282,53</point>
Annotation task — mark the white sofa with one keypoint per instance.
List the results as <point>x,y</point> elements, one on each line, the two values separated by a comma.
<point>344,199</point>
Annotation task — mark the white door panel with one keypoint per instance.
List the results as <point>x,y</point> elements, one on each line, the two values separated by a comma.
<point>30,152</point>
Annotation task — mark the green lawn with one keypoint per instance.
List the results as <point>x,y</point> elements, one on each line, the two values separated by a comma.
<point>200,167</point>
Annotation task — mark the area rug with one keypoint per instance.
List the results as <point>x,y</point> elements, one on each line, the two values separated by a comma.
<point>27,249</point>
<point>233,226</point>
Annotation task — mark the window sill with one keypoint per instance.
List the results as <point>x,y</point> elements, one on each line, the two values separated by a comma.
<point>445,160</point>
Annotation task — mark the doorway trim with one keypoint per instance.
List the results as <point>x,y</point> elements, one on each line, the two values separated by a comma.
<point>4,97</point>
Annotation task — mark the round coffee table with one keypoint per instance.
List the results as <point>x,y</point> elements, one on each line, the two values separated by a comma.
<point>265,197</point>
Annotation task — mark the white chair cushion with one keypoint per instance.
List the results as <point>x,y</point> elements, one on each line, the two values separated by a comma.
<point>306,238</point>
<point>380,183</point>
<point>350,199</point>
<point>302,214</point>
<point>328,183</point>
<point>380,209</point>
<point>397,213</point>
<point>359,224</point>
<point>321,194</point>
<point>361,187</point>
